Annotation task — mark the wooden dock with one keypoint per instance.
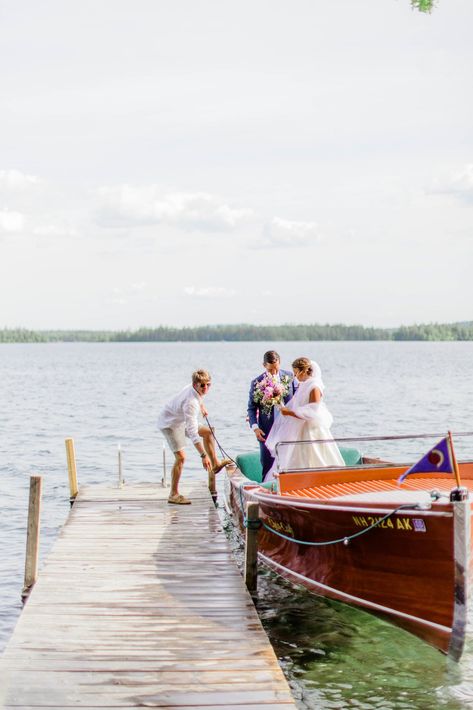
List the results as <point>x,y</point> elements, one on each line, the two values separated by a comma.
<point>140,604</point>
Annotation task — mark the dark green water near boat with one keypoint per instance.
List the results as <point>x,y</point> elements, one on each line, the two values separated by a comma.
<point>104,394</point>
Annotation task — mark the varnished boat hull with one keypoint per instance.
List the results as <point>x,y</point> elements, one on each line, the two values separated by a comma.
<point>412,569</point>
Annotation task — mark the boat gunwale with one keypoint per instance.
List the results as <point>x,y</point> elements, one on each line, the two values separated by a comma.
<point>256,491</point>
<point>374,507</point>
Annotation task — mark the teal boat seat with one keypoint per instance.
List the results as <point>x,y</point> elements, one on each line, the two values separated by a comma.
<point>351,456</point>
<point>250,464</point>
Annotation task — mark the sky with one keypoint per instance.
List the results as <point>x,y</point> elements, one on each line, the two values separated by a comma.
<point>188,162</point>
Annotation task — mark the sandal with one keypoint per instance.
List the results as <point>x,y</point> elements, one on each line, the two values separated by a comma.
<point>179,500</point>
<point>222,464</point>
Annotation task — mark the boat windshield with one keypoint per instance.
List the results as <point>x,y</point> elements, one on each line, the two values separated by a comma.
<point>365,451</point>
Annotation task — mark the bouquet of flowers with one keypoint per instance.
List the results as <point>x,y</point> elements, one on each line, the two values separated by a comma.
<point>270,391</point>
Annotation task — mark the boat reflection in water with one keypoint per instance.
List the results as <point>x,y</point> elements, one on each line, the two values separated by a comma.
<point>355,534</point>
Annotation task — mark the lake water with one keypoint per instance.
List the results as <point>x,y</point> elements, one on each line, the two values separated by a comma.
<point>105,394</point>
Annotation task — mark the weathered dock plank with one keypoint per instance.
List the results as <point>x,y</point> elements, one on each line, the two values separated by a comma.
<point>140,604</point>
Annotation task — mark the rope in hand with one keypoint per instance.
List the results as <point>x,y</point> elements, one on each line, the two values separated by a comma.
<point>221,449</point>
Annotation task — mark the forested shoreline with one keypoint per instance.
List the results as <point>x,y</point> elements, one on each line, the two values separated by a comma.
<point>244,332</point>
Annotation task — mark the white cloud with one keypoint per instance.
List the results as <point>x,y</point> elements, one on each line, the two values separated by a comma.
<point>11,221</point>
<point>458,184</point>
<point>126,205</point>
<point>40,212</point>
<point>287,233</point>
<point>209,292</point>
<point>16,180</point>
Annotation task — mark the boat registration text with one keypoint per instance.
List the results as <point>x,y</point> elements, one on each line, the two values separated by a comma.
<point>405,524</point>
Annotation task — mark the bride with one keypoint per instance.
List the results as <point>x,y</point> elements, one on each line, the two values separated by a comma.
<point>305,418</point>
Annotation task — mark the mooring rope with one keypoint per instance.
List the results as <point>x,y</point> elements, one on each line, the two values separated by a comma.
<point>256,524</point>
<point>345,540</point>
<point>221,449</point>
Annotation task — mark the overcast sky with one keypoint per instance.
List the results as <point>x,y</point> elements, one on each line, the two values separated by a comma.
<point>187,162</point>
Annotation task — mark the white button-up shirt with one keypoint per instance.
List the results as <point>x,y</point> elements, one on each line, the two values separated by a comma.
<point>183,410</point>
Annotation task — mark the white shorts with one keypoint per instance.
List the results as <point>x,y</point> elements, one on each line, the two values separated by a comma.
<point>176,438</point>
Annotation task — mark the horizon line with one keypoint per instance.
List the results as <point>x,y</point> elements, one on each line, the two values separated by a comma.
<point>464,323</point>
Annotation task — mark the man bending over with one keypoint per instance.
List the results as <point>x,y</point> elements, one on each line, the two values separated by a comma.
<point>180,419</point>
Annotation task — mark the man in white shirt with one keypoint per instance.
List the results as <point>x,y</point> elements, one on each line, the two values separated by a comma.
<point>180,419</point>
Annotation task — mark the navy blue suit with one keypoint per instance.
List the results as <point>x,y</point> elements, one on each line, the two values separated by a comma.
<point>263,420</point>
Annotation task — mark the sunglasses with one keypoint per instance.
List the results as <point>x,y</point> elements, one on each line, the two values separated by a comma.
<point>202,385</point>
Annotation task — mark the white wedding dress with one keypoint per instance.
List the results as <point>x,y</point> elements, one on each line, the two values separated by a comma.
<point>313,422</point>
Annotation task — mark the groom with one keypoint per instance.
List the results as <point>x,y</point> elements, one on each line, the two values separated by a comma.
<point>259,420</point>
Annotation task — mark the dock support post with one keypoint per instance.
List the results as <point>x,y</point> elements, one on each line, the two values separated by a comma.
<point>32,536</point>
<point>164,482</point>
<point>120,467</point>
<point>71,467</point>
<point>213,486</point>
<point>251,546</point>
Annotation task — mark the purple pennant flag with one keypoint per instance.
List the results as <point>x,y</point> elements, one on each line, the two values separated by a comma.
<point>437,460</point>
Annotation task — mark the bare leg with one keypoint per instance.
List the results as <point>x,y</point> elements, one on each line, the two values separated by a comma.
<point>209,446</point>
<point>179,458</point>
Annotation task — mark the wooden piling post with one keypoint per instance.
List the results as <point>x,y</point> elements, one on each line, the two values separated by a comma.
<point>251,546</point>
<point>71,467</point>
<point>212,486</point>
<point>120,467</point>
<point>32,536</point>
<point>164,482</point>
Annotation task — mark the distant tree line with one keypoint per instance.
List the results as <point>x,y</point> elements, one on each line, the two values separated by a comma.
<point>435,331</point>
<point>244,332</point>
<point>21,335</point>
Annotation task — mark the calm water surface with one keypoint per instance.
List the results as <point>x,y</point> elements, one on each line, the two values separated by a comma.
<point>106,394</point>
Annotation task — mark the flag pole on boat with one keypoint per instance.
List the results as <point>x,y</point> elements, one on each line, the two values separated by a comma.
<point>454,459</point>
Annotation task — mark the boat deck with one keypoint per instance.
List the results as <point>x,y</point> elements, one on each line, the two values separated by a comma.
<point>415,488</point>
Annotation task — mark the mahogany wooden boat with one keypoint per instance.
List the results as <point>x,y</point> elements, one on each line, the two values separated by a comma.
<point>353,534</point>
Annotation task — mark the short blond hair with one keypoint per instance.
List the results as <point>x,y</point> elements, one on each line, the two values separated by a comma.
<point>200,377</point>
